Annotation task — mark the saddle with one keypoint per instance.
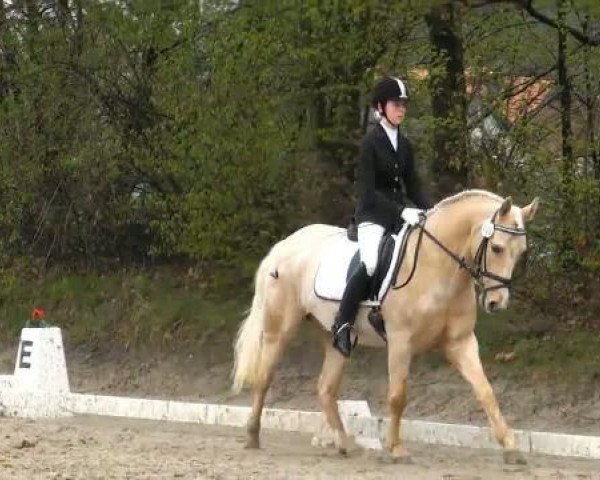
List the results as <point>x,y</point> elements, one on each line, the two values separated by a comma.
<point>341,258</point>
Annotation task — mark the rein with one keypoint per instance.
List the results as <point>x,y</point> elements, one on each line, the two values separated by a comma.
<point>478,269</point>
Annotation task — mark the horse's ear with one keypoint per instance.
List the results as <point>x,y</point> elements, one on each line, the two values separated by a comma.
<point>529,210</point>
<point>505,207</point>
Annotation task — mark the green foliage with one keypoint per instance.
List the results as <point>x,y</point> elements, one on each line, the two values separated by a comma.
<point>150,130</point>
<point>133,109</point>
<point>526,158</point>
<point>128,309</point>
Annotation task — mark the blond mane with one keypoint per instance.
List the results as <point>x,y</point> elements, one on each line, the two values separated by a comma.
<point>467,194</point>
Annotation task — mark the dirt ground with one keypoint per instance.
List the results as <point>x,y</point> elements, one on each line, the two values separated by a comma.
<point>88,448</point>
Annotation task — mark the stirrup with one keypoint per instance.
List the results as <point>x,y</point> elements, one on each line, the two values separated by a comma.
<point>336,335</point>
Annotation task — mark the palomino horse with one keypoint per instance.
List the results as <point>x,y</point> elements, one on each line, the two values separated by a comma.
<point>474,239</point>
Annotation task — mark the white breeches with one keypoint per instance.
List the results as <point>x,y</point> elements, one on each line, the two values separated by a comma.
<point>369,237</point>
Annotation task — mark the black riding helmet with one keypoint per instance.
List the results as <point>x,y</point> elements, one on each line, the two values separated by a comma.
<point>389,88</point>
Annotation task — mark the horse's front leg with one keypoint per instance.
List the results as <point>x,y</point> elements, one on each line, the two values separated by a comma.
<point>464,355</point>
<point>399,357</point>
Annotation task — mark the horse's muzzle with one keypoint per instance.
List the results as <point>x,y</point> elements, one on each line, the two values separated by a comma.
<point>493,305</point>
<point>493,302</point>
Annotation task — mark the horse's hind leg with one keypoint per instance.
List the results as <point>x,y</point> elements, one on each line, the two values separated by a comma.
<point>464,355</point>
<point>328,388</point>
<point>279,329</point>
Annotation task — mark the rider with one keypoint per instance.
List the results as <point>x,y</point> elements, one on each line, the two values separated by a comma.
<point>385,165</point>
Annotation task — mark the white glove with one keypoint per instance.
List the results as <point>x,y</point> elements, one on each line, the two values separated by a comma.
<point>412,216</point>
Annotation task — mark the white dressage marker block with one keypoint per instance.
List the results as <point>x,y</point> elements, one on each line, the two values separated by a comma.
<point>6,381</point>
<point>41,363</point>
<point>40,384</point>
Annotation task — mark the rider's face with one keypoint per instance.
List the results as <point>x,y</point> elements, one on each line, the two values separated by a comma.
<point>395,110</point>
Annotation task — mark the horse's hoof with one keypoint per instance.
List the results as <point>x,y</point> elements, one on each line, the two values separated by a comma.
<point>330,440</point>
<point>403,460</point>
<point>384,458</point>
<point>397,455</point>
<point>252,443</point>
<point>323,441</point>
<point>389,459</point>
<point>514,457</point>
<point>348,445</point>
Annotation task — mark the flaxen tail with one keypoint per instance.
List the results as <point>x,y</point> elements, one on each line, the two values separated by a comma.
<point>248,344</point>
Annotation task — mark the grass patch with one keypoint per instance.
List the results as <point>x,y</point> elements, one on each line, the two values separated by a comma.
<point>533,343</point>
<point>568,354</point>
<point>129,309</point>
<point>168,308</point>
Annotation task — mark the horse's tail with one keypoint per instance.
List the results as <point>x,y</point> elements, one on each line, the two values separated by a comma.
<point>248,343</point>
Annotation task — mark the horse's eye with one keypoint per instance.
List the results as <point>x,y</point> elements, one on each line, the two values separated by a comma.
<point>497,249</point>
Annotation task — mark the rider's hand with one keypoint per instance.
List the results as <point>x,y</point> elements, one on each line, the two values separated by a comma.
<point>412,216</point>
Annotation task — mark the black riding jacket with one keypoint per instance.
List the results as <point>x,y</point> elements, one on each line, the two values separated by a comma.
<point>384,178</point>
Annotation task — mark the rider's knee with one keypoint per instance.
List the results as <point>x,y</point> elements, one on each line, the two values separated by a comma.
<point>370,268</point>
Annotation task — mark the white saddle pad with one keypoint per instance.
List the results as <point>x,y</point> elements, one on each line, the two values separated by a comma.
<point>330,280</point>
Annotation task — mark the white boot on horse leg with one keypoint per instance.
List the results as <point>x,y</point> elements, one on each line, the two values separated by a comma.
<point>329,438</point>
<point>323,440</point>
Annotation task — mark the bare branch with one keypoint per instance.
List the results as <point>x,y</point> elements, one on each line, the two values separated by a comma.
<point>510,92</point>
<point>527,5</point>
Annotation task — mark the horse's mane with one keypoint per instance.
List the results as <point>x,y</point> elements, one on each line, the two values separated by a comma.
<point>468,194</point>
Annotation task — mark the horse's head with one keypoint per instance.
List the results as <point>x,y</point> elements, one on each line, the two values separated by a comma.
<point>497,246</point>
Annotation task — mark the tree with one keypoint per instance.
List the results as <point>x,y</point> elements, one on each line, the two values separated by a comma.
<point>448,92</point>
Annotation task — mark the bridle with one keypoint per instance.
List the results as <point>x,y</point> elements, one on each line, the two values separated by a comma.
<point>478,268</point>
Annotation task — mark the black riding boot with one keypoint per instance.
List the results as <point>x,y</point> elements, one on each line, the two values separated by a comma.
<point>356,290</point>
